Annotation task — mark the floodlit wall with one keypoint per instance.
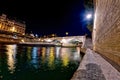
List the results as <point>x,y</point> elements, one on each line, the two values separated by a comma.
<point>106,31</point>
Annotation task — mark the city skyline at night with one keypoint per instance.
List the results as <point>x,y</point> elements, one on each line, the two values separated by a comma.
<point>48,17</point>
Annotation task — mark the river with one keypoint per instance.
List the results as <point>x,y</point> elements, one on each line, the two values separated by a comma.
<point>18,62</point>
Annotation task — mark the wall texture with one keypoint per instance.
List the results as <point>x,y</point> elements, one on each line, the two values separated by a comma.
<point>106,31</point>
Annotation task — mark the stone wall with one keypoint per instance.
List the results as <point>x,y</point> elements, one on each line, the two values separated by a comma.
<point>106,31</point>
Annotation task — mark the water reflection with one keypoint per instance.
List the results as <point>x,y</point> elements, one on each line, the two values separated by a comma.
<point>34,53</point>
<point>29,49</point>
<point>51,58</point>
<point>65,56</point>
<point>34,60</point>
<point>41,63</point>
<point>43,54</point>
<point>11,53</point>
<point>77,56</point>
<point>58,52</point>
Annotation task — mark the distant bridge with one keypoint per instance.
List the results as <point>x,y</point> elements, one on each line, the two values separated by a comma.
<point>65,41</point>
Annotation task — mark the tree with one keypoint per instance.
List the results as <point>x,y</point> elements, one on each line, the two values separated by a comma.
<point>88,4</point>
<point>89,7</point>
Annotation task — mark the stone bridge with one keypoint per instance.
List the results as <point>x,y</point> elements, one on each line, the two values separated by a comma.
<point>67,40</point>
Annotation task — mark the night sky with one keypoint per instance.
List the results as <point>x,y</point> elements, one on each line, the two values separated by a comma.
<point>45,17</point>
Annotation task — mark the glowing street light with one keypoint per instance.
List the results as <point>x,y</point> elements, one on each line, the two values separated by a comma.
<point>12,29</point>
<point>66,33</point>
<point>89,16</point>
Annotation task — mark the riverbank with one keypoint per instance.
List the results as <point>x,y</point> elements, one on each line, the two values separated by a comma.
<point>94,67</point>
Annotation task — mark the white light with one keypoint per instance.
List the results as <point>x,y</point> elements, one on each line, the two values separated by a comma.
<point>49,40</point>
<point>22,40</point>
<point>64,41</point>
<point>36,35</point>
<point>89,16</point>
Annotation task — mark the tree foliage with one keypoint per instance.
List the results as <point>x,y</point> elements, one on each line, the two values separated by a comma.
<point>88,4</point>
<point>89,7</point>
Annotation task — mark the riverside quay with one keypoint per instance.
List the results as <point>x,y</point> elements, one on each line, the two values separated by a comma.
<point>11,30</point>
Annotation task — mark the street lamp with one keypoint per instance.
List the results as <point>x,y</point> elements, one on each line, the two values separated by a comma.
<point>66,33</point>
<point>88,16</point>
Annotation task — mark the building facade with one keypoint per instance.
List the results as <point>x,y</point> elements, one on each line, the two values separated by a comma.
<point>11,26</point>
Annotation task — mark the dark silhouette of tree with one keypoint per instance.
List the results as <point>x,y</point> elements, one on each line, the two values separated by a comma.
<point>89,7</point>
<point>88,4</point>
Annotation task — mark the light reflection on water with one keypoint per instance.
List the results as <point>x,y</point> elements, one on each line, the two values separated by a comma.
<point>57,62</point>
<point>11,54</point>
<point>43,54</point>
<point>51,58</point>
<point>57,49</point>
<point>34,56</point>
<point>65,56</point>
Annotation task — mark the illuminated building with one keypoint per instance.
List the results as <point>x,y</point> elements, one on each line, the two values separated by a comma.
<point>11,26</point>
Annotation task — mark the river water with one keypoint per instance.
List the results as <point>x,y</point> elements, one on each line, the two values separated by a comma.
<point>18,62</point>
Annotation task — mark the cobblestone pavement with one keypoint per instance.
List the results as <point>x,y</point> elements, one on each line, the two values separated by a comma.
<point>94,67</point>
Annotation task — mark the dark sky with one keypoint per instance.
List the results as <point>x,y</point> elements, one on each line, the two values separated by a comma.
<point>44,17</point>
